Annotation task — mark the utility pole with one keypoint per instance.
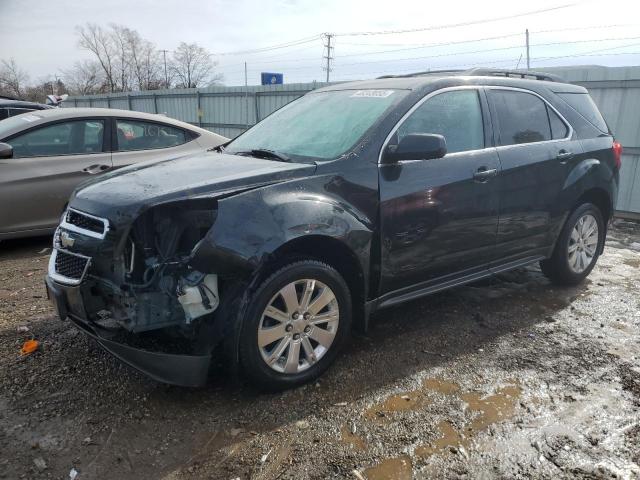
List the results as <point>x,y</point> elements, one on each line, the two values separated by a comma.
<point>166,77</point>
<point>246,95</point>
<point>528,59</point>
<point>329,56</point>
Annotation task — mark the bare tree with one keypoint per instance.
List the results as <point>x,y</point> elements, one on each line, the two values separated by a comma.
<point>13,80</point>
<point>99,41</point>
<point>193,67</point>
<point>85,78</point>
<point>120,38</point>
<point>144,61</point>
<point>127,60</point>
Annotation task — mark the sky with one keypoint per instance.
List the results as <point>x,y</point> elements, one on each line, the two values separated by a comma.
<point>40,34</point>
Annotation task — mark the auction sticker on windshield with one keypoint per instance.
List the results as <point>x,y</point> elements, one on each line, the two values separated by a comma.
<point>373,93</point>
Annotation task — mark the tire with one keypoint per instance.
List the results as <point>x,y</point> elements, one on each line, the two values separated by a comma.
<point>303,347</point>
<point>565,267</point>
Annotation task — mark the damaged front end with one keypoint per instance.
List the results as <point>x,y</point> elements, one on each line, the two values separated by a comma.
<point>133,289</point>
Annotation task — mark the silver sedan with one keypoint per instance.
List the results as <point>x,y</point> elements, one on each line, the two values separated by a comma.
<point>44,155</point>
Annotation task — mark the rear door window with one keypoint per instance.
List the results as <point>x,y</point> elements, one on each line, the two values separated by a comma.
<point>140,135</point>
<point>585,106</point>
<point>65,138</point>
<point>522,117</point>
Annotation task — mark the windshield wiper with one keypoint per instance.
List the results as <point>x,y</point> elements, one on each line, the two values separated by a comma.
<point>266,153</point>
<point>220,148</point>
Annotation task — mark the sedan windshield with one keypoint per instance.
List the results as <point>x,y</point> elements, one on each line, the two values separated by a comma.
<point>23,120</point>
<point>321,125</point>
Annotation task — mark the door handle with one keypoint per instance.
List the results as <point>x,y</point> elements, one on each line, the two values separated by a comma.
<point>564,155</point>
<point>483,174</point>
<point>93,169</point>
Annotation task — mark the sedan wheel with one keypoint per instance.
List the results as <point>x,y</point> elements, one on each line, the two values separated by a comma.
<point>298,326</point>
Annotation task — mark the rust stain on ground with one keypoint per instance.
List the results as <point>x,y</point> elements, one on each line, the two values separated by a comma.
<point>398,468</point>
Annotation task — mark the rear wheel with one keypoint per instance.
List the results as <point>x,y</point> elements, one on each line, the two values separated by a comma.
<point>297,320</point>
<point>578,246</point>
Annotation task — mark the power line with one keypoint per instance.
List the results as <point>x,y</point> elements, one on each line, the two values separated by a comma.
<point>555,30</point>
<point>445,55</point>
<point>446,44</point>
<point>427,45</point>
<point>292,43</point>
<point>460,24</point>
<point>589,53</point>
<point>490,50</point>
<point>420,46</point>
<point>593,52</point>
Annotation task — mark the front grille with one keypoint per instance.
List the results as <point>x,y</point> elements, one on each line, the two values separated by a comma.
<point>85,222</point>
<point>70,266</point>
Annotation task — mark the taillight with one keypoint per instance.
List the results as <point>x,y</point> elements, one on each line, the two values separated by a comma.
<point>617,154</point>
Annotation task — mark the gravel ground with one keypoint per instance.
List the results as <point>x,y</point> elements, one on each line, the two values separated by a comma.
<point>507,378</point>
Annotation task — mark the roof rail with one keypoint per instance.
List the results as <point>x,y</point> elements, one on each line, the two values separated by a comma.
<point>421,74</point>
<point>494,72</point>
<point>486,72</point>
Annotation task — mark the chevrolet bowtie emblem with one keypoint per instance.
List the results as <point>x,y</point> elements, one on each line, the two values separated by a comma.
<point>66,240</point>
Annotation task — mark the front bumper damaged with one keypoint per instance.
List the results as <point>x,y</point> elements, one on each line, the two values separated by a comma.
<point>175,369</point>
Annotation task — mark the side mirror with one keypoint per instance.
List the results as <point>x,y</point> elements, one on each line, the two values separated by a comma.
<point>6,151</point>
<point>417,146</point>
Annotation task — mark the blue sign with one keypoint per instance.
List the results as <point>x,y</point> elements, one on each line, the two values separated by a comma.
<point>272,78</point>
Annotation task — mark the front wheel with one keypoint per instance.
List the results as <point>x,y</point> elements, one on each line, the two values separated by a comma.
<point>296,322</point>
<point>577,248</point>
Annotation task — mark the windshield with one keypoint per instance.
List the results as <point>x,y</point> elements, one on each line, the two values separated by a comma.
<point>321,125</point>
<point>24,120</point>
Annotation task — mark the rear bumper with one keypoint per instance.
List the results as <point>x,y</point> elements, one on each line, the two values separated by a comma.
<point>174,369</point>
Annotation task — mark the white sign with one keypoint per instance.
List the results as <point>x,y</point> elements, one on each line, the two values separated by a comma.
<point>373,93</point>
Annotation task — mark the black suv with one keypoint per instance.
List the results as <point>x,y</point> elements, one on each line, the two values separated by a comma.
<point>353,198</point>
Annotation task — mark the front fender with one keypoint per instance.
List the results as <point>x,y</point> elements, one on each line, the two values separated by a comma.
<point>251,226</point>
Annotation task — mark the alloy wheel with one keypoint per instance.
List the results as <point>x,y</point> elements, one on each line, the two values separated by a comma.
<point>298,326</point>
<point>583,243</point>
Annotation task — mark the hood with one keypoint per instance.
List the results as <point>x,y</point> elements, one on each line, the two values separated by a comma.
<point>129,191</point>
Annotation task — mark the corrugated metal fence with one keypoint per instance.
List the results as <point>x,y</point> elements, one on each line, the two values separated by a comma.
<point>229,110</point>
<point>224,110</point>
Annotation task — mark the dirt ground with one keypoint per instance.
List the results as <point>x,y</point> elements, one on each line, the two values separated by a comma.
<point>507,378</point>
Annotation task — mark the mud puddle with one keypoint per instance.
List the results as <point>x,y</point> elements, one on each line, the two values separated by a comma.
<point>398,468</point>
<point>481,411</point>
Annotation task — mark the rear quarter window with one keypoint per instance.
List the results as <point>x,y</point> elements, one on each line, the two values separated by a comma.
<point>585,106</point>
